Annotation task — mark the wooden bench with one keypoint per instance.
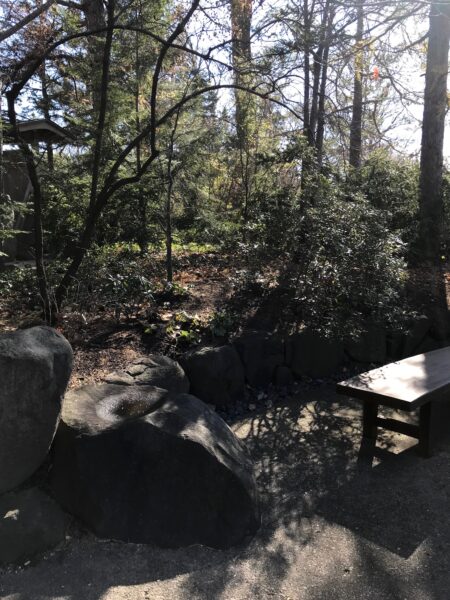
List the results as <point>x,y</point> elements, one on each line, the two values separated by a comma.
<point>419,382</point>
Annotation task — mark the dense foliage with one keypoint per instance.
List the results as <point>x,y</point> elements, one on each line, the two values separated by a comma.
<point>161,151</point>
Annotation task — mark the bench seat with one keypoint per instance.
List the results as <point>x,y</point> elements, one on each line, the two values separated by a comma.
<point>418,382</point>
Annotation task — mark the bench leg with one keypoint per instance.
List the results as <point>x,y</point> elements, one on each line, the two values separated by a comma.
<point>370,414</point>
<point>425,430</point>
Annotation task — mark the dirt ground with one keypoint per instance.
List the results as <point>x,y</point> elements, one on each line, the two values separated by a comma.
<point>336,525</point>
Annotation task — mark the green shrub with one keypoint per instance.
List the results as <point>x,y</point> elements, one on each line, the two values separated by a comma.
<point>111,276</point>
<point>392,186</point>
<point>348,267</point>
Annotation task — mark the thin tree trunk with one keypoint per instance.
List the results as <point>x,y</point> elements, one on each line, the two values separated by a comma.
<point>94,13</point>
<point>307,162</point>
<point>142,204</point>
<point>168,224</point>
<point>96,203</point>
<point>307,71</point>
<point>356,123</point>
<point>323,84</point>
<point>102,105</point>
<point>435,105</point>
<point>168,207</point>
<point>37,212</point>
<point>318,67</point>
<point>241,20</point>
<point>46,112</point>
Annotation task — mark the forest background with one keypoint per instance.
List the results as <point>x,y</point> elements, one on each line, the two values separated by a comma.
<point>298,143</point>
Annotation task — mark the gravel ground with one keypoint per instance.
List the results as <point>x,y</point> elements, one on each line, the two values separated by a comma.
<point>335,525</point>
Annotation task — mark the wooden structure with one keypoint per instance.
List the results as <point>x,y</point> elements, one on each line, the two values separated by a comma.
<point>16,184</point>
<point>420,382</point>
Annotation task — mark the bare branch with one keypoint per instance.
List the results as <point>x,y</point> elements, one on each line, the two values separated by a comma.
<point>7,33</point>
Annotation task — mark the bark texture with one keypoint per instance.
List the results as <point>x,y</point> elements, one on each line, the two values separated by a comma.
<point>435,105</point>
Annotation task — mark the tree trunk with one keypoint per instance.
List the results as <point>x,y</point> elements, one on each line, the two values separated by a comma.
<point>322,88</point>
<point>168,224</point>
<point>96,201</point>
<point>142,204</point>
<point>46,103</point>
<point>37,212</point>
<point>306,72</point>
<point>356,123</point>
<point>435,105</point>
<point>95,16</point>
<point>318,69</point>
<point>241,20</point>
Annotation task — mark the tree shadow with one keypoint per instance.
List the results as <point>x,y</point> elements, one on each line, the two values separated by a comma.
<point>329,512</point>
<point>333,526</point>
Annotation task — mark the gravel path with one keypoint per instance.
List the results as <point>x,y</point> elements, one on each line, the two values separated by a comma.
<point>334,527</point>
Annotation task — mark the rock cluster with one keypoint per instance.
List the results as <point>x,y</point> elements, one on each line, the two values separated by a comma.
<point>136,458</point>
<point>35,366</point>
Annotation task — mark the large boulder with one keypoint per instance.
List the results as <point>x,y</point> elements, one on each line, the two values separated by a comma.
<point>416,335</point>
<point>371,346</point>
<point>216,375</point>
<point>308,353</point>
<point>141,464</point>
<point>35,366</point>
<point>30,523</point>
<point>261,353</point>
<point>154,369</point>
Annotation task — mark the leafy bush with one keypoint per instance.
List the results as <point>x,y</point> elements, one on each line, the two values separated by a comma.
<point>19,286</point>
<point>113,278</point>
<point>347,267</point>
<point>392,185</point>
<point>222,323</point>
<point>184,329</point>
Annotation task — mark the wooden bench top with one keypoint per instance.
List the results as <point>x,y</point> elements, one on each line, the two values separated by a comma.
<point>405,384</point>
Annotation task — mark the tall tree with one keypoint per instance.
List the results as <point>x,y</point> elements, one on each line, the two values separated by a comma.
<point>95,17</point>
<point>357,109</point>
<point>241,21</point>
<point>435,105</point>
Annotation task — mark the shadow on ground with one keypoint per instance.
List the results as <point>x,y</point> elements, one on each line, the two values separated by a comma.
<point>335,525</point>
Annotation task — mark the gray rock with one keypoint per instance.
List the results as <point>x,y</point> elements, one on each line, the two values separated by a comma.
<point>370,347</point>
<point>416,335</point>
<point>35,366</point>
<point>155,369</point>
<point>308,353</point>
<point>261,353</point>
<point>143,465</point>
<point>395,344</point>
<point>30,523</point>
<point>428,344</point>
<point>216,375</point>
<point>283,376</point>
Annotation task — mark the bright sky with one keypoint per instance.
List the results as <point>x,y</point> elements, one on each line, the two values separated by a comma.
<point>410,71</point>
<point>407,72</point>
